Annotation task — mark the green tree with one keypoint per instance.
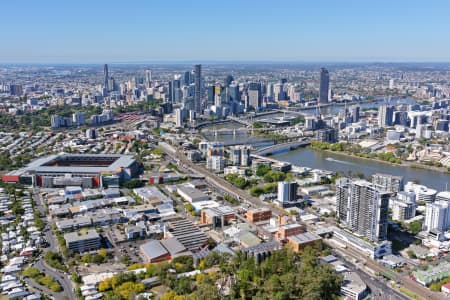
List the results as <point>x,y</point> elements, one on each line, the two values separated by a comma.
<point>262,170</point>
<point>133,183</point>
<point>274,176</point>
<point>415,227</point>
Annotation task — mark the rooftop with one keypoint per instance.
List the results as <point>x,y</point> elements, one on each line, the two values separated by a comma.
<point>76,236</point>
<point>305,237</point>
<point>353,282</point>
<point>83,163</point>
<point>153,249</point>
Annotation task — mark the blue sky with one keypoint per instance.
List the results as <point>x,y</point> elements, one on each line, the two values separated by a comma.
<point>96,31</point>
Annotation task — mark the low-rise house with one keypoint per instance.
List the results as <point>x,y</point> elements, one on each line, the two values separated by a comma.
<point>446,289</point>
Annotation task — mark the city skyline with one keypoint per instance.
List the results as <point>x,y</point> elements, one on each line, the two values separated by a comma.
<point>85,32</point>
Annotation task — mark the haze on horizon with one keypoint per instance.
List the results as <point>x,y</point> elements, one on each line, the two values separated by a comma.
<point>51,31</point>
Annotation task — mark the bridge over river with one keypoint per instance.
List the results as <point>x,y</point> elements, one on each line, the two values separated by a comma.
<point>282,147</point>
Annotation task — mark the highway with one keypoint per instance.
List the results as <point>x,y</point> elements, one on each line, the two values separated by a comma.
<point>60,276</point>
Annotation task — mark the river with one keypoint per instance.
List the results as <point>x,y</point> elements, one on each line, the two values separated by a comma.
<point>344,164</point>
<point>340,163</point>
<point>241,137</point>
<point>334,109</point>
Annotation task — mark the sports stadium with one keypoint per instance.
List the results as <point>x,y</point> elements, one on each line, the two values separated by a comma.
<point>85,170</point>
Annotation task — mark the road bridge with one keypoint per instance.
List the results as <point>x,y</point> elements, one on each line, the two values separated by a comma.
<point>282,147</point>
<point>210,123</point>
<point>234,131</point>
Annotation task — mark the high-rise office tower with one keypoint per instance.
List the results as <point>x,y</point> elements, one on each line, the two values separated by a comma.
<point>187,78</point>
<point>235,96</point>
<point>269,90</point>
<point>385,115</point>
<point>354,112</point>
<point>362,208</point>
<point>282,95</point>
<point>211,94</point>
<point>324,86</point>
<point>218,95</point>
<point>287,192</point>
<point>197,91</point>
<point>174,88</point>
<point>106,75</point>
<point>254,95</point>
<point>228,80</point>
<point>148,77</point>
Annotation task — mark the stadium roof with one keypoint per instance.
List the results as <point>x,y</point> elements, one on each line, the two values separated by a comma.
<point>39,165</point>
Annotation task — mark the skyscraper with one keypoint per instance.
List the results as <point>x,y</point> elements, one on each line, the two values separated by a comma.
<point>354,112</point>
<point>228,80</point>
<point>106,75</point>
<point>174,90</point>
<point>324,86</point>
<point>211,94</point>
<point>254,95</point>
<point>187,78</point>
<point>197,91</point>
<point>235,96</point>
<point>148,77</point>
<point>362,208</point>
<point>385,115</point>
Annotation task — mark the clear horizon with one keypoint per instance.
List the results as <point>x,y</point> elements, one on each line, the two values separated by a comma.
<point>138,31</point>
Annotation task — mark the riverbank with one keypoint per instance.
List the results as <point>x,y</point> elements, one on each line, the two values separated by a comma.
<point>348,103</point>
<point>413,165</point>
